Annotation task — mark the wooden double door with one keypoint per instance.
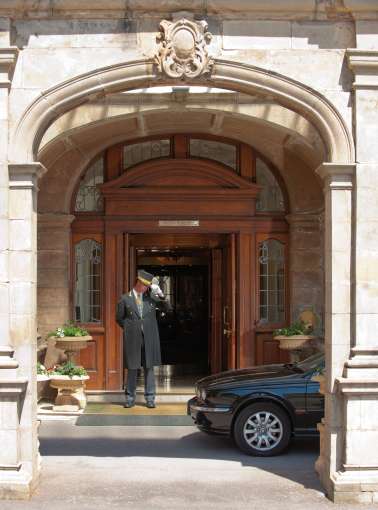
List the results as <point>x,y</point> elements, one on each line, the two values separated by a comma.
<point>191,204</point>
<point>225,329</point>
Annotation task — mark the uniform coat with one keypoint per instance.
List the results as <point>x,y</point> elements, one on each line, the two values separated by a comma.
<point>129,319</point>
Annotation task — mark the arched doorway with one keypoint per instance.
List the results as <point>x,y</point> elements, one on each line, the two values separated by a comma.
<point>337,176</point>
<point>218,209</point>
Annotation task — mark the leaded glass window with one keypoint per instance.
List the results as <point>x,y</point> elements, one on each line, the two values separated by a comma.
<point>225,153</point>
<point>143,151</point>
<point>272,282</point>
<point>88,197</point>
<point>270,197</point>
<point>87,295</point>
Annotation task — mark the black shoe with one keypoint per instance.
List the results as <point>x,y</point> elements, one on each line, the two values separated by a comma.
<point>150,404</point>
<point>129,403</point>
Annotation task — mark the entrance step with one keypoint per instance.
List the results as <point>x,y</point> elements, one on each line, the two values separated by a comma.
<point>119,397</point>
<point>103,414</point>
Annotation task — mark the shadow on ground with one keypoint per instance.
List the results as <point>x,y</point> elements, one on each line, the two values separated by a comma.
<point>296,464</point>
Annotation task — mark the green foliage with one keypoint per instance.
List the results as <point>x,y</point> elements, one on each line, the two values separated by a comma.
<point>297,328</point>
<point>68,329</point>
<point>69,369</point>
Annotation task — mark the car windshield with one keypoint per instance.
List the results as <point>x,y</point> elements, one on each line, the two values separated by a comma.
<point>311,363</point>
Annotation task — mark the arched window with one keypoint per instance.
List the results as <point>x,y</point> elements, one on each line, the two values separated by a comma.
<point>88,197</point>
<point>272,282</point>
<point>225,153</point>
<point>143,151</point>
<point>88,284</point>
<point>270,198</point>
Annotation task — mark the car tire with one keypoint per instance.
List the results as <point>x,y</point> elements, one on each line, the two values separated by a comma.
<point>262,429</point>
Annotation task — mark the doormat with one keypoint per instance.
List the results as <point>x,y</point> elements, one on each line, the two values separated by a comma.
<point>104,414</point>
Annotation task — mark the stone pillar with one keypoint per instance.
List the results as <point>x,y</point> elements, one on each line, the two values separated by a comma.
<point>357,477</point>
<point>16,478</point>
<point>306,265</point>
<point>22,476</point>
<point>338,187</point>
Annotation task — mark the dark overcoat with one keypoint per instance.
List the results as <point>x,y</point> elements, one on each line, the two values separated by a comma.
<point>129,319</point>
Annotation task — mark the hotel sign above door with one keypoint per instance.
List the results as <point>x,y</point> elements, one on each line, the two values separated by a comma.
<point>179,223</point>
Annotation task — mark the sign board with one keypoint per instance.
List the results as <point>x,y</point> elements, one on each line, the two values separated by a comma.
<point>178,223</point>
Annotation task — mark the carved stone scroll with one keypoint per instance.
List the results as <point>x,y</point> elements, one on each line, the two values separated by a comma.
<point>182,52</point>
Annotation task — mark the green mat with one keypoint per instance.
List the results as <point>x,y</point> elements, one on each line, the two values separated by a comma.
<point>106,420</point>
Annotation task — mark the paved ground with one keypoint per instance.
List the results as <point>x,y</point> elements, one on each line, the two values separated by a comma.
<point>168,468</point>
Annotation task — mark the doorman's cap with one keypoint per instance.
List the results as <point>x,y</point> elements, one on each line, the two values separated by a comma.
<point>145,277</point>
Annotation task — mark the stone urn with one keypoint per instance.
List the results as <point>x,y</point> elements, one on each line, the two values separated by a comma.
<point>294,344</point>
<point>71,392</point>
<point>71,344</point>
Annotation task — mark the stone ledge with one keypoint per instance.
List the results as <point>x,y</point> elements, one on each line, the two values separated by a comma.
<point>12,387</point>
<point>364,64</point>
<point>357,386</point>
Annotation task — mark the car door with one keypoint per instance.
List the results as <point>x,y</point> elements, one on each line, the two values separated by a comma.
<point>314,405</point>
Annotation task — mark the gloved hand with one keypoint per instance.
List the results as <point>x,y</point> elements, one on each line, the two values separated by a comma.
<point>156,290</point>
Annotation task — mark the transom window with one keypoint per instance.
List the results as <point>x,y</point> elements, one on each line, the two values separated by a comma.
<point>143,151</point>
<point>269,200</point>
<point>219,151</point>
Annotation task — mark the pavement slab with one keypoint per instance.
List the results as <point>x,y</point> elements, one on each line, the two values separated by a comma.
<point>154,467</point>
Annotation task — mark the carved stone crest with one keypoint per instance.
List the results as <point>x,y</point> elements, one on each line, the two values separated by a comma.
<point>182,52</point>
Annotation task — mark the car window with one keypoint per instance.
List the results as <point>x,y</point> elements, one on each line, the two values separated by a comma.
<point>312,362</point>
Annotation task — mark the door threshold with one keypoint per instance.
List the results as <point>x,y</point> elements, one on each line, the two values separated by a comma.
<point>118,396</point>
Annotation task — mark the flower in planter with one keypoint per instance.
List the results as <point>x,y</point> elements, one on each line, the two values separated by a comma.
<point>69,369</point>
<point>297,328</point>
<point>68,329</point>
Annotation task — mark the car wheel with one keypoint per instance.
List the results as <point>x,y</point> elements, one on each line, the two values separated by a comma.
<point>262,429</point>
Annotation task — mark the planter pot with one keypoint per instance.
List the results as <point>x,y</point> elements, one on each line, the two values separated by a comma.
<point>71,344</point>
<point>321,379</point>
<point>42,383</point>
<point>293,342</point>
<point>71,392</point>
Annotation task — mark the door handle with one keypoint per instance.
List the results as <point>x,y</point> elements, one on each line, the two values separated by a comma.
<point>227,332</point>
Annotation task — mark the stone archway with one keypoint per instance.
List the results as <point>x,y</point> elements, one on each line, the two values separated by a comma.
<point>143,73</point>
<point>337,173</point>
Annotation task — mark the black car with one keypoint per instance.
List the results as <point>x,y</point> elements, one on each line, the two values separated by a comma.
<point>261,407</point>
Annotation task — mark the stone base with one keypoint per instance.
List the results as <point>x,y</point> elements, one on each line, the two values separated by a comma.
<point>355,485</point>
<point>17,484</point>
<point>65,408</point>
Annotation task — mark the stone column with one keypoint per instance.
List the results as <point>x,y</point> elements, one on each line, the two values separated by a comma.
<point>357,478</point>
<point>22,476</point>
<point>338,186</point>
<point>16,478</point>
<point>8,57</point>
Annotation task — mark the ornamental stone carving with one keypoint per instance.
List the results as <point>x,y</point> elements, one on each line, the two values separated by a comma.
<point>182,52</point>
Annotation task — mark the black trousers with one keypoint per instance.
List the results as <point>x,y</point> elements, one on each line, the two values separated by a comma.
<point>149,380</point>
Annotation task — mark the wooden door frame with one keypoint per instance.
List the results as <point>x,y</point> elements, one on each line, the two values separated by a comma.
<point>179,190</point>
